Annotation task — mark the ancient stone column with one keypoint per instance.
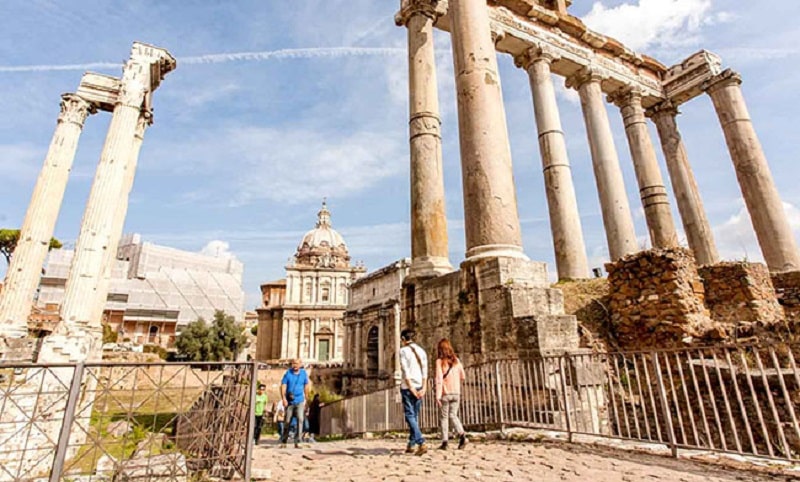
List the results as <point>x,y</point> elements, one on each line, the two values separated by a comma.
<point>101,229</point>
<point>145,120</point>
<point>657,211</point>
<point>684,185</point>
<point>491,219</point>
<point>772,228</point>
<point>429,247</point>
<point>608,175</point>
<point>565,222</point>
<point>25,269</point>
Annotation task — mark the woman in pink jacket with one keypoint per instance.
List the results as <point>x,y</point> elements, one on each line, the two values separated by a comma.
<point>449,374</point>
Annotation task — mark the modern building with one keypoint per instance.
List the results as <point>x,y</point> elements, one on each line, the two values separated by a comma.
<point>155,290</point>
<point>302,315</point>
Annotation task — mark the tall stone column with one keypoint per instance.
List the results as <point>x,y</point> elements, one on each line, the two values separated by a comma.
<point>772,228</point>
<point>490,202</point>
<point>684,185</point>
<point>145,120</point>
<point>652,191</point>
<point>429,243</point>
<point>616,211</point>
<point>565,222</point>
<point>25,269</point>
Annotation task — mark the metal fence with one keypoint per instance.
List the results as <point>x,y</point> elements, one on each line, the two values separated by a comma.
<point>737,399</point>
<point>123,421</point>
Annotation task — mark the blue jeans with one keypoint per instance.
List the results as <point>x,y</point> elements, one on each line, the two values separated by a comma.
<point>298,411</point>
<point>411,408</point>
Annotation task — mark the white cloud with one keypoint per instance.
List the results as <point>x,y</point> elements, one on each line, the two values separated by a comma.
<point>648,24</point>
<point>736,239</point>
<point>217,249</point>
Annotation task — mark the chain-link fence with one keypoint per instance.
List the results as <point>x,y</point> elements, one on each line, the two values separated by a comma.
<point>738,399</point>
<point>126,421</point>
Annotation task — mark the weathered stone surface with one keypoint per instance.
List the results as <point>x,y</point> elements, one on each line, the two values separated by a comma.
<point>118,428</point>
<point>167,467</point>
<point>657,299</point>
<point>787,290</point>
<point>740,292</point>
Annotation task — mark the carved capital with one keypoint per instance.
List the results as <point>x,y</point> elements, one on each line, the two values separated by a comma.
<point>75,109</point>
<point>628,96</point>
<point>584,76</point>
<point>145,120</point>
<point>538,53</point>
<point>498,34</point>
<point>425,123</point>
<point>159,61</point>
<point>432,9</point>
<point>725,79</point>
<point>664,109</point>
<point>132,89</point>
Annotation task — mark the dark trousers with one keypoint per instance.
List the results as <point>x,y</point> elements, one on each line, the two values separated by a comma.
<point>259,425</point>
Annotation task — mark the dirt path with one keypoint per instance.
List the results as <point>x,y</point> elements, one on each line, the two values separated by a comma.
<point>385,460</point>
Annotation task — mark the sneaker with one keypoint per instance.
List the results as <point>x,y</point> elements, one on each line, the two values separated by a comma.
<point>410,449</point>
<point>462,441</point>
<point>421,450</point>
<point>283,445</point>
<point>297,445</point>
<point>443,446</point>
<point>311,440</point>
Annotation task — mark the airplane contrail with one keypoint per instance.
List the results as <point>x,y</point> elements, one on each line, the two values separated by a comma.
<point>299,53</point>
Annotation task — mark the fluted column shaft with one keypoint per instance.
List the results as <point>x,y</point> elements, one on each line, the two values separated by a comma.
<point>25,269</point>
<point>772,228</point>
<point>98,241</point>
<point>429,244</point>
<point>490,203</point>
<point>565,222</point>
<point>657,211</point>
<point>617,219</point>
<point>145,119</point>
<point>687,195</point>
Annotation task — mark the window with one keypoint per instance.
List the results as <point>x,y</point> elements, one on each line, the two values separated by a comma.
<point>373,351</point>
<point>326,294</point>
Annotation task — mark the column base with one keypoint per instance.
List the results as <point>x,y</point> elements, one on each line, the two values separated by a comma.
<point>496,251</point>
<point>425,267</point>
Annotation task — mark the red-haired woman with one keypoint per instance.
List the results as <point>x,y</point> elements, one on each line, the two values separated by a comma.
<point>449,374</point>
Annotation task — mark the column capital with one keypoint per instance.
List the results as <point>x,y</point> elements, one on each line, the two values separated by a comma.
<point>584,76</point>
<point>145,120</point>
<point>724,79</point>
<point>75,109</point>
<point>432,9</point>
<point>628,96</point>
<point>539,53</point>
<point>666,108</point>
<point>498,35</point>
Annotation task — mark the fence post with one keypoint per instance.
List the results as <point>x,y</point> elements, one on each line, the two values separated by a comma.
<point>386,411</point>
<point>66,423</point>
<point>500,417</point>
<point>363,413</point>
<point>251,421</point>
<point>667,415</point>
<point>563,375</point>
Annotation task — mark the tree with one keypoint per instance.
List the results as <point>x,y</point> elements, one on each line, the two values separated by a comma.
<point>9,239</point>
<point>218,341</point>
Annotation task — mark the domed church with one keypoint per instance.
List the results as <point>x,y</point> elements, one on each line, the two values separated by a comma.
<point>302,315</point>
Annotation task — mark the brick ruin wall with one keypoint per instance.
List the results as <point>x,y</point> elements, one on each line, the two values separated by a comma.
<point>656,300</point>
<point>738,292</point>
<point>787,289</point>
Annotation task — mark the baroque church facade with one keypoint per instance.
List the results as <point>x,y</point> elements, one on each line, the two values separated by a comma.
<point>302,315</point>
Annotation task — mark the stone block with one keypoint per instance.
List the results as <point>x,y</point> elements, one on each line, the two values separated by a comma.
<point>740,292</point>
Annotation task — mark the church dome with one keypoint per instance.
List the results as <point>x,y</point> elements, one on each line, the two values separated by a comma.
<point>323,246</point>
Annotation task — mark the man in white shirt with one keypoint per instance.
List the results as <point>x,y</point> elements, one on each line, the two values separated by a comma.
<point>414,367</point>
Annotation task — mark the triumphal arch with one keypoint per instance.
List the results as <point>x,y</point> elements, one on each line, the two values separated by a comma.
<point>500,303</point>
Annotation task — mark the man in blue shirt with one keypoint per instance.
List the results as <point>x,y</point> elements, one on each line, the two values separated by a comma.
<point>294,391</point>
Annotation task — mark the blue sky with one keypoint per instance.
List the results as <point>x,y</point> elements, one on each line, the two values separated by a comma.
<point>244,147</point>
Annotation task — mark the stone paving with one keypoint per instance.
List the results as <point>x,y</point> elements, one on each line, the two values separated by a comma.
<point>385,460</point>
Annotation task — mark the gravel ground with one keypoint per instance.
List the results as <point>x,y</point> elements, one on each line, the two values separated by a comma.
<point>385,460</point>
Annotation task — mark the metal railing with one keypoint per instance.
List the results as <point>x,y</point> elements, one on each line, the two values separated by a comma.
<point>739,399</point>
<point>126,421</point>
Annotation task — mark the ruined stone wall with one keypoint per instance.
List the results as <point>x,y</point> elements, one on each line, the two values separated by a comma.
<point>657,299</point>
<point>490,309</point>
<point>787,289</point>
<point>740,292</point>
